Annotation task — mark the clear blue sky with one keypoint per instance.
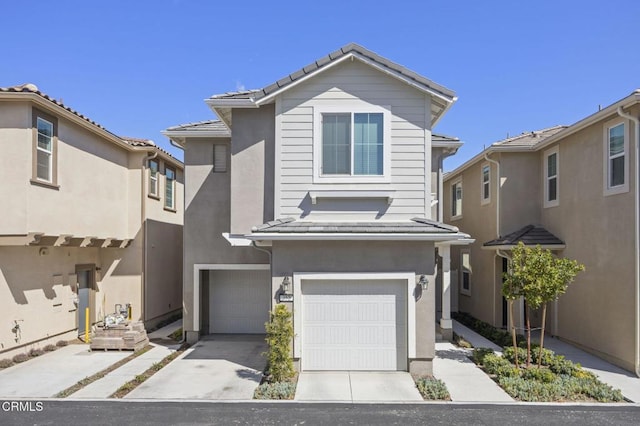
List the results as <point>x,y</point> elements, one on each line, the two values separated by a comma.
<point>138,67</point>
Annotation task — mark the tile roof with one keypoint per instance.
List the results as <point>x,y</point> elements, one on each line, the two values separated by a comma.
<point>332,57</point>
<point>413,226</point>
<point>137,141</point>
<point>530,139</point>
<point>207,125</point>
<point>530,235</point>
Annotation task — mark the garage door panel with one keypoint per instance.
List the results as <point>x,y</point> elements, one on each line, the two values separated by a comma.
<point>239,301</point>
<point>354,325</point>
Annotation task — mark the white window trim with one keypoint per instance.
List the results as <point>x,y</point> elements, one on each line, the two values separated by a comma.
<point>454,183</point>
<point>461,271</point>
<point>154,180</point>
<point>48,152</point>
<point>410,277</point>
<point>545,178</point>
<point>173,188</point>
<point>484,201</point>
<point>620,189</point>
<point>350,108</point>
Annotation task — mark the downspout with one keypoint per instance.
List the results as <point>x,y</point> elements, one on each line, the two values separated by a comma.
<point>636,195</point>
<point>498,235</point>
<point>253,244</point>
<point>143,210</point>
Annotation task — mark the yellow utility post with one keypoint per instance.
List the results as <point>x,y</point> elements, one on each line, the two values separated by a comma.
<point>86,325</point>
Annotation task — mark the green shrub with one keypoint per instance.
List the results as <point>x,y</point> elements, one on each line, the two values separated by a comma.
<point>432,389</point>
<point>479,354</point>
<point>492,363</point>
<point>547,355</point>
<point>5,363</point>
<point>35,352</point>
<point>279,334</point>
<point>277,390</point>
<point>507,370</point>
<point>531,390</point>
<point>49,348</point>
<point>20,358</point>
<point>61,343</point>
<point>563,366</point>
<point>539,374</point>
<point>509,352</point>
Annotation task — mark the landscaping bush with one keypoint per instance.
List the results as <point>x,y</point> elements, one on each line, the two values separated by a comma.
<point>35,352</point>
<point>61,343</point>
<point>49,348</point>
<point>486,330</point>
<point>5,363</point>
<point>20,358</point>
<point>279,334</point>
<point>492,363</point>
<point>510,354</point>
<point>432,389</point>
<point>539,374</point>
<point>479,354</point>
<point>559,365</point>
<point>278,390</point>
<point>547,355</point>
<point>531,390</point>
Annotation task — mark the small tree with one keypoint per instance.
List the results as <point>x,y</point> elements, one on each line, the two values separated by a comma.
<point>541,278</point>
<point>512,287</point>
<point>279,334</point>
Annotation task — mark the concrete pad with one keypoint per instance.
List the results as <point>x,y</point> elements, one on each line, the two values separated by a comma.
<point>383,386</point>
<point>164,332</point>
<point>222,367</point>
<point>476,340</point>
<point>52,372</point>
<point>323,386</point>
<point>110,383</point>
<point>465,381</point>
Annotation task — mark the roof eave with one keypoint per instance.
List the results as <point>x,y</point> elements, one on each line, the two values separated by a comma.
<point>310,236</point>
<point>512,246</point>
<point>480,156</point>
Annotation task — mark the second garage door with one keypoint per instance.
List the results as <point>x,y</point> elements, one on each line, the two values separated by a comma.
<point>354,325</point>
<point>239,301</point>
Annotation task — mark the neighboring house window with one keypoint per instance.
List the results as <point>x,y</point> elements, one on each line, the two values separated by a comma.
<point>170,188</point>
<point>617,159</point>
<point>465,272</point>
<point>456,199</point>
<point>153,178</point>
<point>486,184</point>
<point>219,158</point>
<point>352,144</point>
<point>44,148</point>
<point>551,177</point>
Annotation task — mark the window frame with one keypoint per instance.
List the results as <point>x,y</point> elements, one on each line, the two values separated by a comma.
<point>484,184</point>
<point>623,188</point>
<point>171,182</point>
<point>52,182</point>
<point>463,271</point>
<point>546,178</point>
<point>352,108</point>
<point>458,214</point>
<point>225,154</point>
<point>156,194</point>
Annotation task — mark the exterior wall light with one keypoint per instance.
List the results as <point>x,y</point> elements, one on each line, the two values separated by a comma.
<point>423,282</point>
<point>286,285</point>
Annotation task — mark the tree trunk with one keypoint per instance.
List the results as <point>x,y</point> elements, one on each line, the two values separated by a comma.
<point>513,332</point>
<point>528,336</point>
<point>544,318</point>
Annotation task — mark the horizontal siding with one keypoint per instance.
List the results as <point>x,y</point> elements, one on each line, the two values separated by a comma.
<point>347,83</point>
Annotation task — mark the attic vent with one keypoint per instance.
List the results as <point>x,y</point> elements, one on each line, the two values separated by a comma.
<point>219,158</point>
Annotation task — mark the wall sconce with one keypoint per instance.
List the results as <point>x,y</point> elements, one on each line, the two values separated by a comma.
<point>423,282</point>
<point>286,285</point>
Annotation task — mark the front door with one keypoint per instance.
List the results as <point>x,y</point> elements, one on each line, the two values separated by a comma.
<point>84,291</point>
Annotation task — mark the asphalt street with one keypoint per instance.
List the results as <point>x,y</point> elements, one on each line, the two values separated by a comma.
<point>49,412</point>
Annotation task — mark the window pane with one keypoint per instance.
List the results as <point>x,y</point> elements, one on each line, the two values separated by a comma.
<point>336,149</point>
<point>485,190</point>
<point>43,166</point>
<point>552,189</point>
<point>616,140</point>
<point>456,198</point>
<point>220,158</point>
<point>485,174</point>
<point>368,144</point>
<point>170,176</point>
<point>45,133</point>
<point>465,280</point>
<point>616,173</point>
<point>551,165</point>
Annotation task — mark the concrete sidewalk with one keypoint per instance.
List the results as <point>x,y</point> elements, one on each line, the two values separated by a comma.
<point>465,381</point>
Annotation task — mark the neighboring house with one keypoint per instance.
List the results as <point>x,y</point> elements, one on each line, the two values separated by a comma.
<point>322,191</point>
<point>89,219</point>
<point>572,190</point>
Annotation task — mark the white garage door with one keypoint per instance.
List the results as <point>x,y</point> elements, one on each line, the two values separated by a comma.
<point>239,301</point>
<point>354,325</point>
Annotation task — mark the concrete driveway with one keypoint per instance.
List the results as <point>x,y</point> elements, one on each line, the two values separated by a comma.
<point>353,386</point>
<point>220,367</point>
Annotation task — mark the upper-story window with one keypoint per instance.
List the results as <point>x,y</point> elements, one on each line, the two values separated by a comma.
<point>44,148</point>
<point>465,272</point>
<point>551,177</point>
<point>617,159</point>
<point>219,158</point>
<point>153,178</point>
<point>486,184</point>
<point>456,199</point>
<point>170,188</point>
<point>352,145</point>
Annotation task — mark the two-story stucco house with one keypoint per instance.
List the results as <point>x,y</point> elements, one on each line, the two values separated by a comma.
<point>322,191</point>
<point>573,190</point>
<point>88,220</point>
